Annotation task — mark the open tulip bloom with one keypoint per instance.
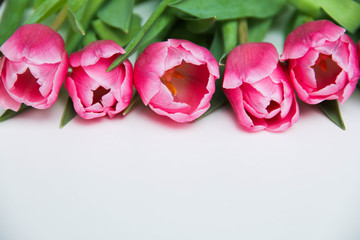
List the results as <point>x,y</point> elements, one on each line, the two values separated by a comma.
<point>258,88</point>
<point>176,78</point>
<point>33,67</point>
<point>323,62</point>
<point>94,91</point>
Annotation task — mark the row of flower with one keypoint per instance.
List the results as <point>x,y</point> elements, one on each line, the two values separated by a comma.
<point>176,78</point>
<point>180,79</point>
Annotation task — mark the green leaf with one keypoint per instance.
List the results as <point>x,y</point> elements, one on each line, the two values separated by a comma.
<point>44,10</point>
<point>84,15</point>
<point>332,110</point>
<point>89,38</point>
<point>132,46</point>
<point>10,113</point>
<point>297,19</point>
<point>72,7</point>
<point>199,25</point>
<point>344,12</point>
<point>309,7</point>
<point>258,28</point>
<point>75,24</point>
<point>38,3</point>
<point>68,114</point>
<point>159,29</point>
<point>75,5</point>
<point>107,32</point>
<point>10,19</point>
<point>230,9</point>
<point>217,46</point>
<point>180,32</point>
<point>117,13</point>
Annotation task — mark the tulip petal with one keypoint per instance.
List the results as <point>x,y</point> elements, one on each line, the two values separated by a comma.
<point>310,35</point>
<point>201,54</point>
<point>6,101</point>
<point>94,51</point>
<point>34,44</point>
<point>149,68</point>
<point>280,123</point>
<point>257,62</point>
<point>353,66</point>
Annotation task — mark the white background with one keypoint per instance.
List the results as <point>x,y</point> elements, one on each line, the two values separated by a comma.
<point>147,177</point>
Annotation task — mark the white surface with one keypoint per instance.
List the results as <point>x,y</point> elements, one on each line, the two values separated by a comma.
<point>147,177</point>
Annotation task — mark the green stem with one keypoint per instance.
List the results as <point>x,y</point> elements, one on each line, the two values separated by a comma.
<point>229,33</point>
<point>131,47</point>
<point>60,18</point>
<point>243,31</point>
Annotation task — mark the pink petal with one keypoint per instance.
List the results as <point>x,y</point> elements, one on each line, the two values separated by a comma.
<point>236,100</point>
<point>6,102</point>
<point>201,54</point>
<point>280,123</point>
<point>94,51</point>
<point>302,93</point>
<point>148,69</point>
<point>310,35</point>
<point>353,67</point>
<point>249,62</point>
<point>80,109</point>
<point>126,89</point>
<point>35,44</point>
<point>302,67</point>
<point>84,85</point>
<point>98,72</point>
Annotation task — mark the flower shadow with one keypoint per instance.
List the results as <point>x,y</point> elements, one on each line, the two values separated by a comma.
<point>150,116</point>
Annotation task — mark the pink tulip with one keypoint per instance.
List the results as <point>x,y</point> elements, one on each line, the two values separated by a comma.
<point>323,62</point>
<point>94,91</point>
<point>33,67</point>
<point>176,79</point>
<point>258,88</point>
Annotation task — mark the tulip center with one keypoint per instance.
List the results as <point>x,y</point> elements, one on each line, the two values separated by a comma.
<point>326,70</point>
<point>167,78</point>
<point>187,83</point>
<point>27,87</point>
<point>98,94</point>
<point>272,106</point>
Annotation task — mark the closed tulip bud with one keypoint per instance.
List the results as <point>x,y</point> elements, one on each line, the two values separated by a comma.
<point>259,89</point>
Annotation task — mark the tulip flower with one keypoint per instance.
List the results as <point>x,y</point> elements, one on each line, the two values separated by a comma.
<point>94,91</point>
<point>323,62</point>
<point>176,79</point>
<point>259,89</point>
<point>33,67</point>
